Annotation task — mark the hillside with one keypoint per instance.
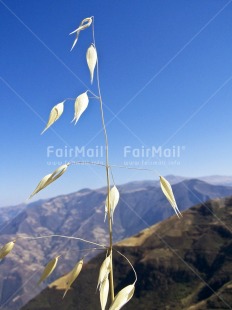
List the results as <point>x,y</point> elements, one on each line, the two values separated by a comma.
<point>81,214</point>
<point>181,264</point>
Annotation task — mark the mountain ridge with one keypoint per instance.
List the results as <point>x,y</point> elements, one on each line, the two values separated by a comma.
<point>173,179</point>
<point>181,265</point>
<point>81,214</point>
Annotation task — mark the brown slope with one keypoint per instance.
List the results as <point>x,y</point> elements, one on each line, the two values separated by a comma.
<point>181,264</point>
<point>81,214</point>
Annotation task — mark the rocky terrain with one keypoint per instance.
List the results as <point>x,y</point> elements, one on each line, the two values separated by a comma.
<point>181,265</point>
<point>81,214</point>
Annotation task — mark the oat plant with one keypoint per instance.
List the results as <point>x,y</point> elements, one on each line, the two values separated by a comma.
<point>105,282</point>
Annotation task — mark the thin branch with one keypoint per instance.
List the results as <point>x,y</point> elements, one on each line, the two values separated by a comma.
<point>129,264</point>
<point>113,166</point>
<point>87,163</point>
<point>107,172</point>
<point>62,236</point>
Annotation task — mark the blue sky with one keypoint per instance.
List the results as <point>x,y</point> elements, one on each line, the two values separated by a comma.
<point>166,82</point>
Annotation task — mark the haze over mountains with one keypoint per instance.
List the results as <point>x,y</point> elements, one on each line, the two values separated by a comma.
<point>81,214</point>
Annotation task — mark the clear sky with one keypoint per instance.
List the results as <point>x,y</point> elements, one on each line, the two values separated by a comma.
<point>166,82</point>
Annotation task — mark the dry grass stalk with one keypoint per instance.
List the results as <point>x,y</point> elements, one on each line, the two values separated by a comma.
<point>55,114</point>
<point>6,249</point>
<point>49,268</point>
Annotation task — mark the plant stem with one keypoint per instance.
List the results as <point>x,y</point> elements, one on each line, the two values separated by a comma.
<point>129,264</point>
<point>61,236</point>
<point>107,177</point>
<point>108,195</point>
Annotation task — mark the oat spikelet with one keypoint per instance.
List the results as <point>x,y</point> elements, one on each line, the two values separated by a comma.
<point>114,198</point>
<point>104,271</point>
<point>58,172</point>
<point>80,106</point>
<point>6,249</point>
<point>91,58</point>
<point>73,275</point>
<point>49,268</point>
<point>104,292</point>
<point>43,183</point>
<point>55,114</point>
<point>123,297</point>
<point>84,24</point>
<point>167,190</point>
<point>49,178</point>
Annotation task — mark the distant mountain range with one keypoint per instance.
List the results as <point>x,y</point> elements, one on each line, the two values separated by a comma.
<point>81,214</point>
<point>181,265</point>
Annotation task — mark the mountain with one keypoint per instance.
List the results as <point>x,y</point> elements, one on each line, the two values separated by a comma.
<point>81,214</point>
<point>217,180</point>
<point>181,265</point>
<point>136,185</point>
<point>173,179</point>
<point>8,213</point>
